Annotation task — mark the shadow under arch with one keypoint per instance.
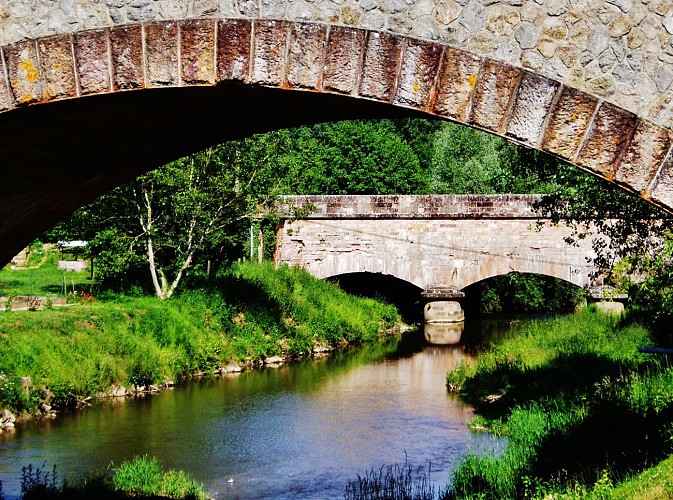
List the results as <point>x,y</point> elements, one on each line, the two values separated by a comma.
<point>83,112</point>
<point>517,292</point>
<point>402,294</point>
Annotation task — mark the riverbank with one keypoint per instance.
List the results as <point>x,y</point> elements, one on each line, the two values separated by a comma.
<point>581,408</point>
<point>254,314</point>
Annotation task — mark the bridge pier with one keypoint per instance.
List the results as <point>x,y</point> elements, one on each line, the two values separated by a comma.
<point>607,300</point>
<point>443,314</point>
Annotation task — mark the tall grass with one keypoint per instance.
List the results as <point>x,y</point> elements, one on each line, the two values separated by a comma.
<point>253,312</point>
<point>574,397</point>
<point>140,477</point>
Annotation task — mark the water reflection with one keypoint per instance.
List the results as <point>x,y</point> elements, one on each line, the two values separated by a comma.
<point>443,333</point>
<point>299,431</point>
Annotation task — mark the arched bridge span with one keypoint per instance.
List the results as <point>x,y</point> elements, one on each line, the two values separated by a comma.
<point>93,93</point>
<point>428,241</point>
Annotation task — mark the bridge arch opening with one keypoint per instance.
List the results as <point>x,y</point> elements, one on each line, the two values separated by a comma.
<point>518,292</point>
<point>402,294</point>
<point>81,113</point>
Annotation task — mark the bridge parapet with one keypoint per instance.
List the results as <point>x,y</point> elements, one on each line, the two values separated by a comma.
<point>497,206</point>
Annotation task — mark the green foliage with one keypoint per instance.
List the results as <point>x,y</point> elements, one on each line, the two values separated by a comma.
<point>468,161</point>
<point>352,157</point>
<point>571,393</point>
<point>525,293</point>
<point>144,476</point>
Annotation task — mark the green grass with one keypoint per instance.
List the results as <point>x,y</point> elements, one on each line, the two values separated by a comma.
<point>44,279</point>
<point>574,398</point>
<point>144,476</point>
<point>140,478</point>
<point>253,312</point>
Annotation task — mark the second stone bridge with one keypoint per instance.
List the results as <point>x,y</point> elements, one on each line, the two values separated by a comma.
<point>437,243</point>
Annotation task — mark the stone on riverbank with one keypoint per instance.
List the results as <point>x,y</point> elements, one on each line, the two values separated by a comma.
<point>7,419</point>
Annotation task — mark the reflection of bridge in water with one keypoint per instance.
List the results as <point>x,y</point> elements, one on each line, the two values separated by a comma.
<point>440,244</point>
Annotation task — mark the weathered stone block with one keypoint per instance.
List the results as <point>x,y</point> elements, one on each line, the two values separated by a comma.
<point>270,41</point>
<point>343,60</point>
<point>644,156</point>
<point>92,61</point>
<point>57,67</point>
<point>197,49</point>
<point>531,108</point>
<point>161,54</point>
<point>493,94</point>
<point>24,72</point>
<point>662,188</point>
<point>420,64</point>
<point>570,118</point>
<point>233,49</point>
<point>379,68</point>
<point>126,47</point>
<point>456,83</point>
<point>610,133</point>
<point>305,55</point>
<point>5,93</point>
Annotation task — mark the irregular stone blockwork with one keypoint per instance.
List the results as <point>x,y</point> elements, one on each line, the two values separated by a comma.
<point>521,105</point>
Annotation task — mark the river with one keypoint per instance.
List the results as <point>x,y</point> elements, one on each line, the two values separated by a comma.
<point>302,430</point>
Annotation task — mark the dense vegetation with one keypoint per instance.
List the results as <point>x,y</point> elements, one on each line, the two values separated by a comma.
<point>251,312</point>
<point>580,406</point>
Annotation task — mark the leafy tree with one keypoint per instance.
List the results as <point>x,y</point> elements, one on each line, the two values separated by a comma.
<point>352,157</point>
<point>169,217</point>
<point>468,161</point>
<point>620,224</point>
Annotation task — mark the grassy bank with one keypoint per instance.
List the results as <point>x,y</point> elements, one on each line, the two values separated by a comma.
<point>251,313</point>
<point>581,408</point>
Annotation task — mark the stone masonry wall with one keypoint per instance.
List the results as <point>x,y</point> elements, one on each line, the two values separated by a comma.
<point>618,50</point>
<point>440,246</point>
<point>499,206</point>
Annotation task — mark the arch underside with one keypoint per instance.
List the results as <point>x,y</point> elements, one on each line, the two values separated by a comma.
<point>81,113</point>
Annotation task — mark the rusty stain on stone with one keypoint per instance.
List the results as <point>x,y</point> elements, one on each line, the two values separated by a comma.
<point>569,120</point>
<point>420,64</point>
<point>379,68</point>
<point>493,94</point>
<point>305,55</point>
<point>342,63</point>
<point>233,49</point>
<point>57,68</point>
<point>270,39</point>
<point>457,80</point>
<point>91,61</point>
<point>610,131</point>
<point>161,54</point>
<point>197,44</point>
<point>644,156</point>
<point>24,73</point>
<point>127,57</point>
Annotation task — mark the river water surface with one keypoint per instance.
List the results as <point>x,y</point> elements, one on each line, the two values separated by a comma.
<point>299,431</point>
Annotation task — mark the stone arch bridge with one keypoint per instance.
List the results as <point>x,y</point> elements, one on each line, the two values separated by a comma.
<point>93,93</point>
<point>433,242</point>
